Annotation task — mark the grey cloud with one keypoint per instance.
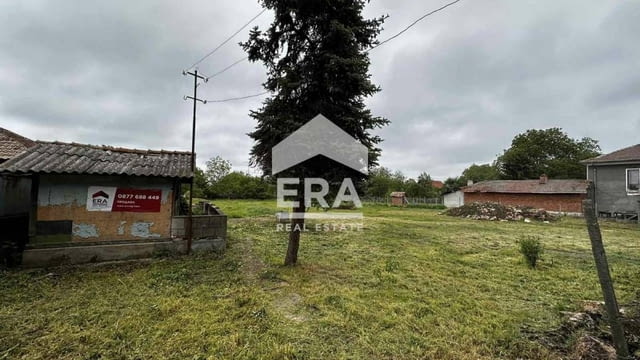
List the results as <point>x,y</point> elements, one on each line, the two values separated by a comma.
<point>457,86</point>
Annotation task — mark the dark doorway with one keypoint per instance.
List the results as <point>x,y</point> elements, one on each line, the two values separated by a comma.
<point>14,234</point>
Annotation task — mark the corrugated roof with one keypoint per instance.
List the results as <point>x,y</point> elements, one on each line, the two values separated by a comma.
<point>529,187</point>
<point>65,158</point>
<point>12,144</point>
<point>631,153</point>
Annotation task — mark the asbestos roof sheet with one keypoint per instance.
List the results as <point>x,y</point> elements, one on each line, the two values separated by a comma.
<point>65,158</point>
<point>631,153</point>
<point>529,187</point>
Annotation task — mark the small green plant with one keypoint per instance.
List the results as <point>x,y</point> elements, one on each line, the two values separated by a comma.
<point>531,248</point>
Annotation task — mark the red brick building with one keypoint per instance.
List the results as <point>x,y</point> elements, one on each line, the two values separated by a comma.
<point>552,195</point>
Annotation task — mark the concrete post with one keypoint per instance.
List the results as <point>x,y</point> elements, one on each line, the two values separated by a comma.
<point>606,283</point>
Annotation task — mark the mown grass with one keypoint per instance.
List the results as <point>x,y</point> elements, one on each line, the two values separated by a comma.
<point>412,285</point>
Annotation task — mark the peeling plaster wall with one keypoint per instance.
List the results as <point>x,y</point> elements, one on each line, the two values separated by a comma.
<point>64,197</point>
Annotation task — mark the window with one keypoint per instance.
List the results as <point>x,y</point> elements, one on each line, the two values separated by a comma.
<point>633,180</point>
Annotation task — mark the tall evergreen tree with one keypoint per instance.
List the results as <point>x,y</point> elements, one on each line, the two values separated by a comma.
<point>316,60</point>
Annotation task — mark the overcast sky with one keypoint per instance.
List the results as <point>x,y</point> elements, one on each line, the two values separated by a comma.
<point>457,87</point>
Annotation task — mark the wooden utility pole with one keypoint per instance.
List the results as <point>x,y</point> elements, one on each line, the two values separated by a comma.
<point>610,302</point>
<point>189,228</point>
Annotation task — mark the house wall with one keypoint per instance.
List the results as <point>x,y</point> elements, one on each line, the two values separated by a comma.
<point>454,199</point>
<point>567,203</point>
<point>62,214</point>
<point>611,188</point>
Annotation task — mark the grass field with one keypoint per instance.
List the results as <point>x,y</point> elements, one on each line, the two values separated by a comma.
<point>412,285</point>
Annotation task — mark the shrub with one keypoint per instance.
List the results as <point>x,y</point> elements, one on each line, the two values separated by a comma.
<point>531,248</point>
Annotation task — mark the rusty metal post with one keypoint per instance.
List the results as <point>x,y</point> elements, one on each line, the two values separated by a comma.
<point>602,266</point>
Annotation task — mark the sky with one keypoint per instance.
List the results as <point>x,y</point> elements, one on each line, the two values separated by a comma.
<point>457,87</point>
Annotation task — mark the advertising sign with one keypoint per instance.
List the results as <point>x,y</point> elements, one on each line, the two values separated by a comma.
<point>105,198</point>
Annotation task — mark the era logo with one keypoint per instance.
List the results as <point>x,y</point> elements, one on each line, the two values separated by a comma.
<point>309,194</point>
<point>100,199</point>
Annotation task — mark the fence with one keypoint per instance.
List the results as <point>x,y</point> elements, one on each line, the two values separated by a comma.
<point>409,200</point>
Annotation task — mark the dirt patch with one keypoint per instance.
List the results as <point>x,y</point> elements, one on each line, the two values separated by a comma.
<point>252,265</point>
<point>494,211</point>
<point>290,306</point>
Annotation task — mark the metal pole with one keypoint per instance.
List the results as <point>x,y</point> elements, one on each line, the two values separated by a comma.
<point>610,302</point>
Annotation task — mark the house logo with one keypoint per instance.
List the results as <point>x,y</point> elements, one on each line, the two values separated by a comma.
<point>100,200</point>
<point>317,137</point>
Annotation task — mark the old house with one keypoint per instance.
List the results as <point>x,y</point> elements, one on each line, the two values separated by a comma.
<point>12,144</point>
<point>616,180</point>
<point>96,203</point>
<point>398,198</point>
<point>437,184</point>
<point>563,196</point>
<point>14,190</point>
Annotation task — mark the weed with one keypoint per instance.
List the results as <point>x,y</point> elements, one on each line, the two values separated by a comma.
<point>531,248</point>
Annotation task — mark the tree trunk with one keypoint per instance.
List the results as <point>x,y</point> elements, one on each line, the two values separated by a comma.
<point>297,225</point>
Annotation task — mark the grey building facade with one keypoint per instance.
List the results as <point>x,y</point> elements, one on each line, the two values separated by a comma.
<point>616,179</point>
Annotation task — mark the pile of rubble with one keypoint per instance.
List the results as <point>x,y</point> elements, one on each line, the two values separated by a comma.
<point>585,335</point>
<point>494,211</point>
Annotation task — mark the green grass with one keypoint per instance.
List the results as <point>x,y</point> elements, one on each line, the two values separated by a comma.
<point>412,285</point>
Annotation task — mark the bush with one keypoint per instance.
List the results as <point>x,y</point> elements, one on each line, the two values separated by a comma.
<point>531,248</point>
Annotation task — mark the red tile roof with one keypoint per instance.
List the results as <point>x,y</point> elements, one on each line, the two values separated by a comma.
<point>12,144</point>
<point>631,153</point>
<point>529,187</point>
<point>437,184</point>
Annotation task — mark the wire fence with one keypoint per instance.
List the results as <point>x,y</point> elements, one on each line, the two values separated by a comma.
<point>409,200</point>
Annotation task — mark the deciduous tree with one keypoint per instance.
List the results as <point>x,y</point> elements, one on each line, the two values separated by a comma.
<point>549,151</point>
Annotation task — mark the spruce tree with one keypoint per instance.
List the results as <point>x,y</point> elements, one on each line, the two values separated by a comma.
<point>315,52</point>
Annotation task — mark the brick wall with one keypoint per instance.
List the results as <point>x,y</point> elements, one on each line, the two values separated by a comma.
<point>550,202</point>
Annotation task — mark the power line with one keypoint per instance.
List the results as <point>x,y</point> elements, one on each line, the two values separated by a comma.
<point>412,24</point>
<point>366,51</point>
<point>371,48</point>
<point>227,68</point>
<point>238,98</point>
<point>226,41</point>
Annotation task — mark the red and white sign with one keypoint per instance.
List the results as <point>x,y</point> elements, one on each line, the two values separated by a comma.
<point>104,198</point>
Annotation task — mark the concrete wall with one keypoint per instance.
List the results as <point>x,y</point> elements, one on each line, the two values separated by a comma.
<point>62,215</point>
<point>566,203</point>
<point>15,195</point>
<point>80,254</point>
<point>454,199</point>
<point>204,226</point>
<point>611,188</point>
